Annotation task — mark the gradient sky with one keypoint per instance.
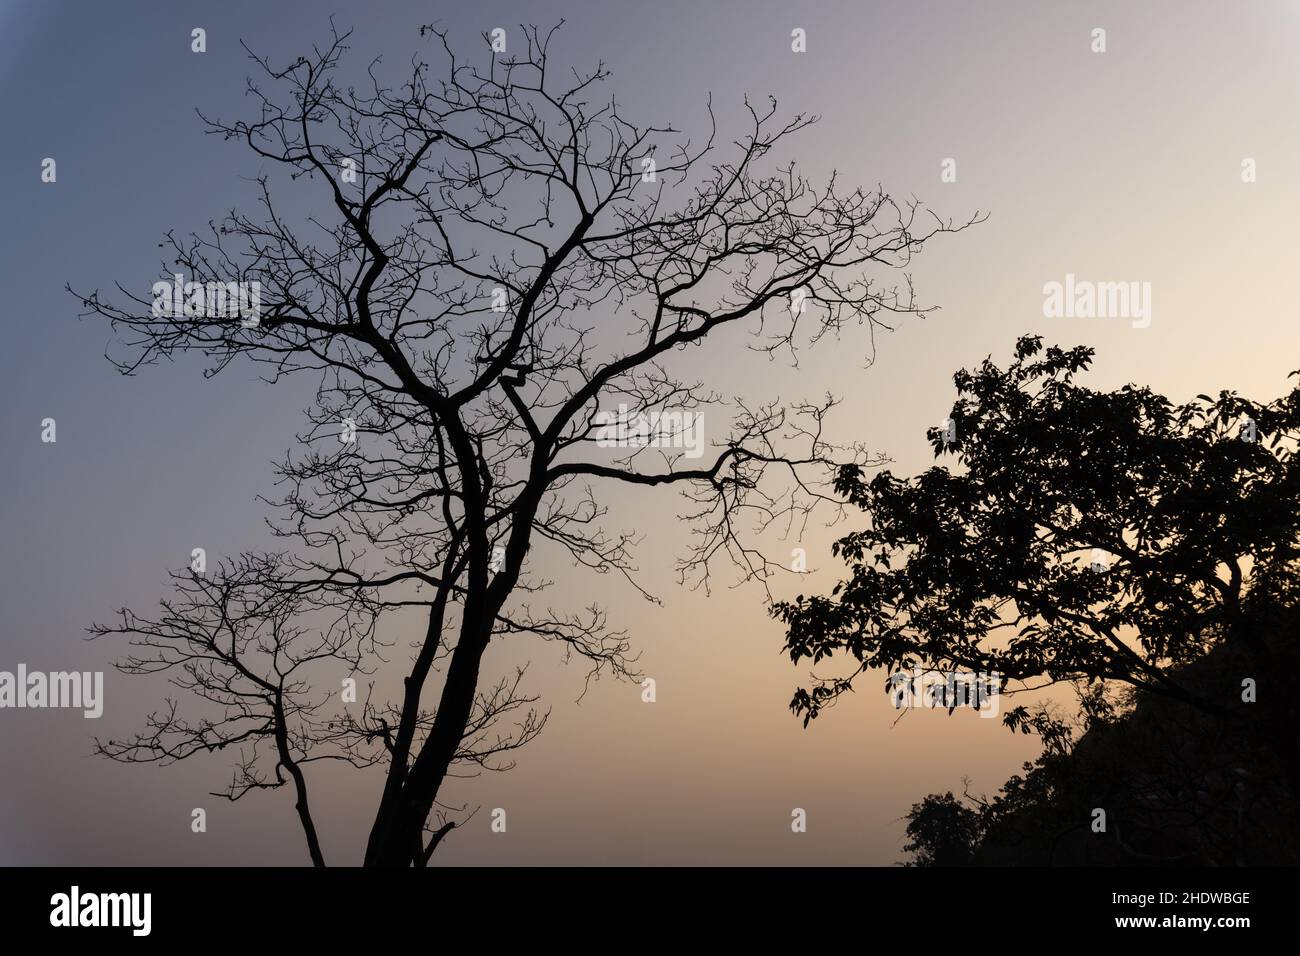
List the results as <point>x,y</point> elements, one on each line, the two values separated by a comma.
<point>1117,166</point>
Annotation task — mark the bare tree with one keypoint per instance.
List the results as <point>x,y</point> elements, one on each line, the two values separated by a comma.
<point>498,258</point>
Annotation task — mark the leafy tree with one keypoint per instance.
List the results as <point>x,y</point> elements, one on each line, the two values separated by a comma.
<point>942,831</point>
<point>1082,536</point>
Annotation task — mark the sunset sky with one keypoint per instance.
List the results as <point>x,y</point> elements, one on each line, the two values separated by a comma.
<point>1119,166</point>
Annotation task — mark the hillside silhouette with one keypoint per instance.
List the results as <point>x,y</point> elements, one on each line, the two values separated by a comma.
<point>1179,786</point>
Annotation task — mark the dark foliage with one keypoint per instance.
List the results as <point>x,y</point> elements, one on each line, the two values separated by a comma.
<point>1103,539</point>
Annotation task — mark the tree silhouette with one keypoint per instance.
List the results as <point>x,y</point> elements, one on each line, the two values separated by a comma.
<point>941,831</point>
<point>488,260</point>
<point>1179,786</point>
<point>1085,537</point>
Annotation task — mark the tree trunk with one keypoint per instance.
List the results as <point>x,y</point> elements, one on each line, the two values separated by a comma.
<point>397,837</point>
